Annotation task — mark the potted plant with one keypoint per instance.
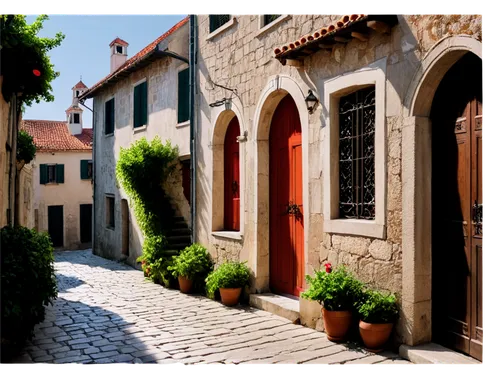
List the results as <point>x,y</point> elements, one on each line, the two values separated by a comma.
<point>336,290</point>
<point>378,312</point>
<point>229,279</point>
<point>192,264</point>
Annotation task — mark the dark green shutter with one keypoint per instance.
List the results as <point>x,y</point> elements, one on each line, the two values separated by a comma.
<point>137,105</point>
<point>144,103</point>
<point>183,96</point>
<point>43,174</point>
<point>112,116</point>
<point>60,173</point>
<point>84,169</point>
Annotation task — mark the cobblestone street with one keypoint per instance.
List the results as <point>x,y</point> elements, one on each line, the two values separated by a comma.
<point>107,312</point>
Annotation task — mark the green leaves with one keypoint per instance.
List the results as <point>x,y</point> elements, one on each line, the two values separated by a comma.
<point>228,275</point>
<point>377,307</point>
<point>336,291</point>
<point>193,263</point>
<point>26,148</point>
<point>28,281</point>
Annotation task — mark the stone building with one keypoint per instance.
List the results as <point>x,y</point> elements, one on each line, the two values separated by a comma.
<point>156,77</point>
<point>62,177</point>
<point>288,184</point>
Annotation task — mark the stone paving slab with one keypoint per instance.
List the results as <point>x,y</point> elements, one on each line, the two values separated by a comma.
<point>107,312</point>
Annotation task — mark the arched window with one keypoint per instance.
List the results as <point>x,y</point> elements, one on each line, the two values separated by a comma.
<point>232,177</point>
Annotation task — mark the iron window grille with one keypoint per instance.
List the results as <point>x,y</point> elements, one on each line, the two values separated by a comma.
<point>357,154</point>
<point>217,20</point>
<point>268,18</point>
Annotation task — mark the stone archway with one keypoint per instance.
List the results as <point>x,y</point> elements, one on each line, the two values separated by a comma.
<point>277,88</point>
<point>416,321</point>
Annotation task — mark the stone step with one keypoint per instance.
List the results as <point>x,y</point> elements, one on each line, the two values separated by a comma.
<point>178,246</point>
<point>181,232</point>
<point>180,225</point>
<point>285,307</point>
<point>178,239</point>
<point>434,353</point>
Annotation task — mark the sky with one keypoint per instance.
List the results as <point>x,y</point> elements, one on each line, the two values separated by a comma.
<point>85,52</point>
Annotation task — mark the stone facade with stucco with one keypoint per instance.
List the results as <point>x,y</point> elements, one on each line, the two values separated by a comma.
<point>240,56</point>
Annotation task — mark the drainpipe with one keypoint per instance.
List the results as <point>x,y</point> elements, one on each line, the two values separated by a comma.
<point>192,119</point>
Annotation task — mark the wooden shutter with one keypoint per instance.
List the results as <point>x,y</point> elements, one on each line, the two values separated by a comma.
<point>43,174</point>
<point>183,96</point>
<point>60,173</point>
<point>84,169</point>
<point>112,116</point>
<point>144,103</point>
<point>137,106</point>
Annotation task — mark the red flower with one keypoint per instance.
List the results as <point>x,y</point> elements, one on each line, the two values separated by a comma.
<point>328,267</point>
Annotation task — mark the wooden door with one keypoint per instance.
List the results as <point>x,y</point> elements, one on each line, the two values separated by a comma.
<point>56,225</point>
<point>286,220</point>
<point>457,209</point>
<point>85,223</point>
<point>232,177</point>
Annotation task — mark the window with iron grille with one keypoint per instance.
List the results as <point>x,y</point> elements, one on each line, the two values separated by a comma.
<point>357,154</point>
<point>268,18</point>
<point>217,20</point>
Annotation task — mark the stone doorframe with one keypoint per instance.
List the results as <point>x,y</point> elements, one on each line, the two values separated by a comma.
<point>416,317</point>
<point>276,89</point>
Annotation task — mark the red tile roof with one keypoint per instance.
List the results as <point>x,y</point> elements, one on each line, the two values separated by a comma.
<point>80,85</point>
<point>74,108</point>
<point>137,57</point>
<point>320,34</point>
<point>53,136</point>
<point>118,40</point>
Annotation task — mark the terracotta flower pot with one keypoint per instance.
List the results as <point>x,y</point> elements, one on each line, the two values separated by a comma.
<point>375,335</point>
<point>336,324</point>
<point>230,296</point>
<point>185,284</point>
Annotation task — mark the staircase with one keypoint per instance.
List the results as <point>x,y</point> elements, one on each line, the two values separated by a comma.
<point>180,235</point>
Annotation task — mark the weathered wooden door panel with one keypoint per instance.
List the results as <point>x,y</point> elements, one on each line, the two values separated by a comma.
<point>286,227</point>
<point>56,225</point>
<point>232,177</point>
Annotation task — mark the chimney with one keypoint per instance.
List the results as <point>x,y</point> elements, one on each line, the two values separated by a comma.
<point>118,53</point>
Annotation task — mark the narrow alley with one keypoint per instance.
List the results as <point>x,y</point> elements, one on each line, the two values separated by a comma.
<point>107,312</point>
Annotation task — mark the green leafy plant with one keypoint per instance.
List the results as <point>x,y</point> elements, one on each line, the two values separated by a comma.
<point>378,307</point>
<point>28,282</point>
<point>193,263</point>
<point>26,65</point>
<point>26,148</point>
<point>228,275</point>
<point>335,290</point>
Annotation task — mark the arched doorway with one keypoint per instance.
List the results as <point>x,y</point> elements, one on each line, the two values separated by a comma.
<point>286,220</point>
<point>232,177</point>
<point>456,118</point>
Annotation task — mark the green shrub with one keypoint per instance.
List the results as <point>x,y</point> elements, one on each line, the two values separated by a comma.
<point>193,263</point>
<point>28,282</point>
<point>337,290</point>
<point>26,148</point>
<point>377,307</point>
<point>228,275</point>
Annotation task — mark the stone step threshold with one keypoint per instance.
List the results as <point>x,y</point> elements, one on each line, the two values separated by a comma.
<point>285,307</point>
<point>435,354</point>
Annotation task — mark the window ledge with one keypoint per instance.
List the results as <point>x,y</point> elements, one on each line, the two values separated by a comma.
<point>221,29</point>
<point>238,236</point>
<point>109,135</point>
<point>182,124</point>
<point>271,25</point>
<point>140,129</point>
<point>366,228</point>
<point>110,228</point>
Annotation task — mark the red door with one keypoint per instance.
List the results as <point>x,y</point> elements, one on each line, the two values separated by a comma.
<point>286,242</point>
<point>232,177</point>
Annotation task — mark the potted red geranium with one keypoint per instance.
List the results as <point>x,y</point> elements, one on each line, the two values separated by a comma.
<point>336,290</point>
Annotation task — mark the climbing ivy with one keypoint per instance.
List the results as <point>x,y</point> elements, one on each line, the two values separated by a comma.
<point>141,170</point>
<point>26,148</point>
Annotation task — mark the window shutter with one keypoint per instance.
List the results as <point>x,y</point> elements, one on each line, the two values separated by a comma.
<point>144,103</point>
<point>183,96</point>
<point>60,173</point>
<point>137,105</point>
<point>43,174</point>
<point>112,116</point>
<point>83,169</point>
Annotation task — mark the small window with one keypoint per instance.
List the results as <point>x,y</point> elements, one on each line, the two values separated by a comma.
<point>268,18</point>
<point>183,96</point>
<point>109,117</point>
<point>218,20</point>
<point>77,93</point>
<point>76,118</point>
<point>86,169</point>
<point>119,49</point>
<point>110,212</point>
<point>141,104</point>
<point>51,173</point>
<point>357,155</point>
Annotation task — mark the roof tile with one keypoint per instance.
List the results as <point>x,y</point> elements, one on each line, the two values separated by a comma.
<point>52,136</point>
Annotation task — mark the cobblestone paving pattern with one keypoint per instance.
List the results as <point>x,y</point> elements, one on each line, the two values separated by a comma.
<point>107,312</point>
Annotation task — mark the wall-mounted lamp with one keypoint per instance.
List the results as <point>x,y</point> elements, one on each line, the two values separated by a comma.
<point>228,104</point>
<point>242,138</point>
<point>311,101</point>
